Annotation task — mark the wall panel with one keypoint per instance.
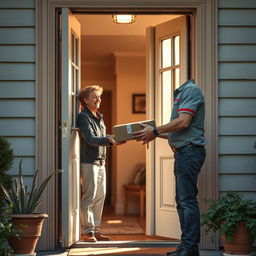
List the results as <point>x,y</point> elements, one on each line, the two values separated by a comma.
<point>237,88</point>
<point>17,17</point>
<point>237,125</point>
<point>17,53</point>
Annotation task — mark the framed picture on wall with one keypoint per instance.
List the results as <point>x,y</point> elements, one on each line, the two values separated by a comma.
<point>139,103</point>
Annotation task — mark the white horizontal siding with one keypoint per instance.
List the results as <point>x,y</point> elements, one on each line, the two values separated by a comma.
<point>237,70</point>
<point>17,18</point>
<point>21,89</point>
<point>20,126</point>
<point>17,108</point>
<point>13,71</point>
<point>28,165</point>
<point>237,125</point>
<point>245,182</point>
<point>237,4</point>
<point>237,53</point>
<point>237,96</point>
<point>230,89</point>
<point>238,17</point>
<point>237,164</point>
<point>17,81</point>
<point>237,107</point>
<point>23,146</point>
<point>237,35</point>
<point>17,53</point>
<point>15,35</point>
<point>17,4</point>
<point>237,145</point>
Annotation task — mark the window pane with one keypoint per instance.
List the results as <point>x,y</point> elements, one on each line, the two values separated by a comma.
<point>166,96</point>
<point>166,53</point>
<point>72,48</point>
<point>176,50</point>
<point>177,78</point>
<point>76,51</point>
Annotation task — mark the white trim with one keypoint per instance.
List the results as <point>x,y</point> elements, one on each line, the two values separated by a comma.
<point>206,70</point>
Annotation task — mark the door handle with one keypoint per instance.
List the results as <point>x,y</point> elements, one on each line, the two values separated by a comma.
<point>74,129</point>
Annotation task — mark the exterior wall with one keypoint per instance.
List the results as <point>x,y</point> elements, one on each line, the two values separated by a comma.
<point>17,81</point>
<point>237,96</point>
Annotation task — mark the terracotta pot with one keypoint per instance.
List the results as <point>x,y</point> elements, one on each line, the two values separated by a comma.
<point>31,227</point>
<point>241,243</point>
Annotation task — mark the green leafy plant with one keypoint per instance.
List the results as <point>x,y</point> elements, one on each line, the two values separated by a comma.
<point>6,230</point>
<point>225,213</point>
<point>6,162</point>
<point>24,201</point>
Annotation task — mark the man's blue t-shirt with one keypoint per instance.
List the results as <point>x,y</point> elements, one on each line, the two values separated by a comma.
<point>188,98</point>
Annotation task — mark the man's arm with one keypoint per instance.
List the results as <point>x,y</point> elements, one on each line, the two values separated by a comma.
<point>178,124</point>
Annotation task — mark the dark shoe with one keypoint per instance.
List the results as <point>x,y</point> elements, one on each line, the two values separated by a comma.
<point>89,237</point>
<point>183,252</point>
<point>101,237</point>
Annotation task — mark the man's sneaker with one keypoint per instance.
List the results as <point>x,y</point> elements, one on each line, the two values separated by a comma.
<point>89,237</point>
<point>101,237</point>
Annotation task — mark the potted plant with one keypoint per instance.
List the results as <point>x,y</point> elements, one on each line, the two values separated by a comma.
<point>24,203</point>
<point>235,218</point>
<point>6,162</point>
<point>7,230</point>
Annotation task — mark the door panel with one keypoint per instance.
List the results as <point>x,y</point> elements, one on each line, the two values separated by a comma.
<point>170,72</point>
<point>70,137</point>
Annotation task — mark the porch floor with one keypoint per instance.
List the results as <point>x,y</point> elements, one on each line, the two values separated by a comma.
<point>125,244</point>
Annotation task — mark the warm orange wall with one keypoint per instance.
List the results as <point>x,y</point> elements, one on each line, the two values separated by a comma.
<point>124,76</point>
<point>130,79</point>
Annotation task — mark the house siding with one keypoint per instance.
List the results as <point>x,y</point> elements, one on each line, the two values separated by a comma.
<point>237,96</point>
<point>17,81</point>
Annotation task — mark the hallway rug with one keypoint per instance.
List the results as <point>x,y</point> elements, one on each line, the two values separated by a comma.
<point>120,226</point>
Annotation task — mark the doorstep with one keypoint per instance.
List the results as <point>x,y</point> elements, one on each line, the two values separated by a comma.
<point>52,253</point>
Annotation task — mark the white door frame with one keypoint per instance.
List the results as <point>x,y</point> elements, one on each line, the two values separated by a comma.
<point>205,50</point>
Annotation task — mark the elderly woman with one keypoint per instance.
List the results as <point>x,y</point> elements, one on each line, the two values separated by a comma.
<point>93,153</point>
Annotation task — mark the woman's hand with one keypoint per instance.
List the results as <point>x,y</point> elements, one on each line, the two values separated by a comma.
<point>112,140</point>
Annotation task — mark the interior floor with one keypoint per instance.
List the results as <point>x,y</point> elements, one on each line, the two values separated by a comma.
<point>130,227</point>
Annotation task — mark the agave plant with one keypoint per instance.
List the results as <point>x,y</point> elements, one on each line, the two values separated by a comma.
<point>24,201</point>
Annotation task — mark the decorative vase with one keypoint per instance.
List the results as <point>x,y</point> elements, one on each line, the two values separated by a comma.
<point>30,226</point>
<point>241,243</point>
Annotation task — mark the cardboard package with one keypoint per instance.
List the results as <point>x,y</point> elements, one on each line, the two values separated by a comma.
<point>123,132</point>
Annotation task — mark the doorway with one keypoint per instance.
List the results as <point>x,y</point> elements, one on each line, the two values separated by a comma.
<point>115,57</point>
<point>205,58</point>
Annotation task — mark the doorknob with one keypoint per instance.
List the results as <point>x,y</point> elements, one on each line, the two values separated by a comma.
<point>64,128</point>
<point>74,129</point>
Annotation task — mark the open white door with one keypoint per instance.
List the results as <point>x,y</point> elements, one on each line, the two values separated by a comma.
<point>70,137</point>
<point>171,61</point>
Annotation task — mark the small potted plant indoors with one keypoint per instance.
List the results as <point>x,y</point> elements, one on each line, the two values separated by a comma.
<point>24,202</point>
<point>235,218</point>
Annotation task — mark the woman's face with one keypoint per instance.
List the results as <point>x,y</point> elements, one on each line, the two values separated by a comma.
<point>93,101</point>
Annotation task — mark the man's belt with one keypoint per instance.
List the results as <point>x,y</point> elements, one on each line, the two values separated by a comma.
<point>174,149</point>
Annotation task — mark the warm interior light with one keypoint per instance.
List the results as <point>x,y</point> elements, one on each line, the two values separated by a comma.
<point>123,18</point>
<point>114,221</point>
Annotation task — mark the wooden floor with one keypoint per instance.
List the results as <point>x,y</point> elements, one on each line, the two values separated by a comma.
<point>126,244</point>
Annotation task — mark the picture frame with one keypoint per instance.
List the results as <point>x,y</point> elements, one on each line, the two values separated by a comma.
<point>139,103</point>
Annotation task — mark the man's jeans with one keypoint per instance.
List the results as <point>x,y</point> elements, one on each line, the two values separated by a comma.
<point>93,196</point>
<point>188,163</point>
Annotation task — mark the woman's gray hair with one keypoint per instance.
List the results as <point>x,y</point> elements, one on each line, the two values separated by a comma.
<point>86,91</point>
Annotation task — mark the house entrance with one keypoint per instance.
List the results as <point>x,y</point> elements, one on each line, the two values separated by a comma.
<point>119,57</point>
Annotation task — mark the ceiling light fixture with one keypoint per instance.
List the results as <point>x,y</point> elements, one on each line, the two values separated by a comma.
<point>123,18</point>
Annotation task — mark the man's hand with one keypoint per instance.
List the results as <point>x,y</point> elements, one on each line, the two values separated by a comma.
<point>145,135</point>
